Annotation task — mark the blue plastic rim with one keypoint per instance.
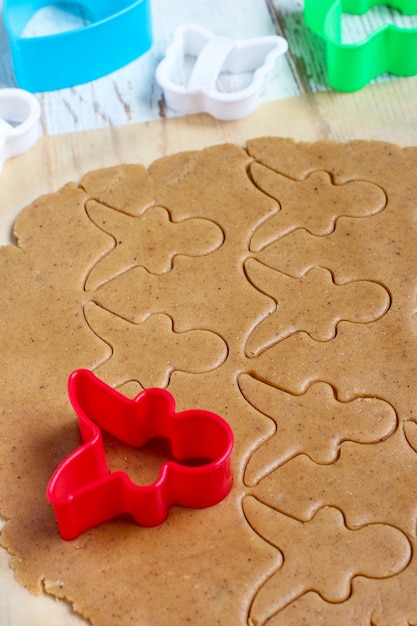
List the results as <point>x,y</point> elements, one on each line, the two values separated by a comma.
<point>119,32</point>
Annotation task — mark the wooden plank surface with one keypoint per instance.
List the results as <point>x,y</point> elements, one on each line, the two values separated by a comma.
<point>132,95</point>
<point>107,113</point>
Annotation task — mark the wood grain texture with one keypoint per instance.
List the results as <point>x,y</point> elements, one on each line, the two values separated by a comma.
<point>131,94</point>
<point>307,55</point>
<point>306,51</point>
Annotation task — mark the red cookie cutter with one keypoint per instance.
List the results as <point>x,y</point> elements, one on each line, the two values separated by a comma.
<point>84,493</point>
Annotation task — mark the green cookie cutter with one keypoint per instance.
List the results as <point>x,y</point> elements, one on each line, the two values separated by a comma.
<point>389,48</point>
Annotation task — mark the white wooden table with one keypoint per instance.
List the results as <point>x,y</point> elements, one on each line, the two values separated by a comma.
<point>297,103</point>
<point>131,94</point>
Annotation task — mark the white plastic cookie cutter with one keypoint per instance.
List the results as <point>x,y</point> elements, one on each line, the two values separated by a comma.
<point>19,122</point>
<point>214,56</point>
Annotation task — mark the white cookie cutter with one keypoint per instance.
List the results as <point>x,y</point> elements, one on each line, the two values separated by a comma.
<point>19,122</point>
<point>215,55</point>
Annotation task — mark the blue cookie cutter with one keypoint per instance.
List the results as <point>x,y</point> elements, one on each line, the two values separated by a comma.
<point>118,32</point>
<point>351,66</point>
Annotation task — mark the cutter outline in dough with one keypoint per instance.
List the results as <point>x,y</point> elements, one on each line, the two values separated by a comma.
<point>85,494</point>
<point>118,32</point>
<point>214,55</point>
<point>351,66</point>
<point>22,109</point>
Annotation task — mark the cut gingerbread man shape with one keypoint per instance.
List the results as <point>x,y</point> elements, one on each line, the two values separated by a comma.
<point>328,303</point>
<point>151,351</point>
<point>310,560</point>
<point>314,203</point>
<point>315,424</point>
<point>387,468</point>
<point>150,240</point>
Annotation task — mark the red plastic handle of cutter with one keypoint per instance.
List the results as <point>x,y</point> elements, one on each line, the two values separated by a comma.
<point>84,493</point>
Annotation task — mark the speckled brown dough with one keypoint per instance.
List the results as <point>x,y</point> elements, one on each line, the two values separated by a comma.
<point>275,285</point>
